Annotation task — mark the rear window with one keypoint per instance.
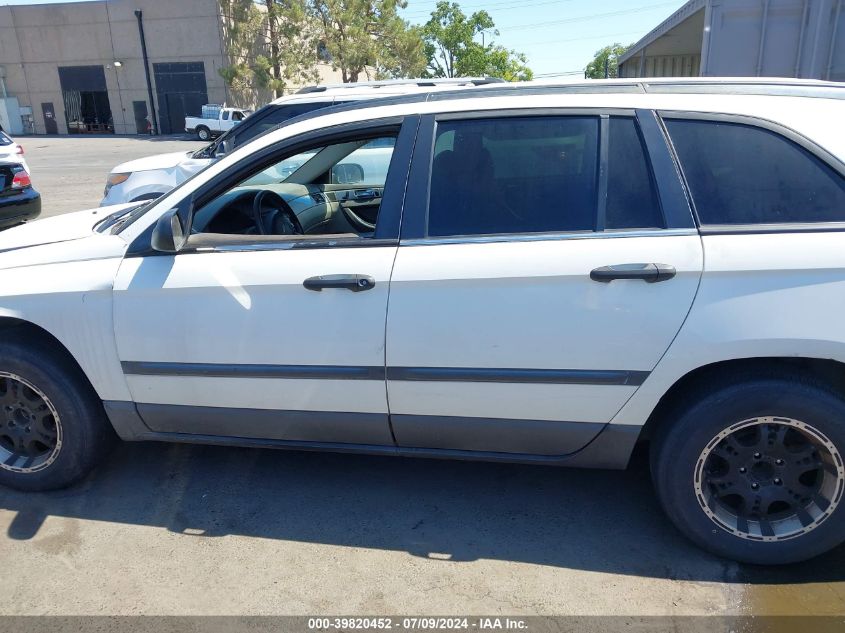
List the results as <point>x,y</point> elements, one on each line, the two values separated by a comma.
<point>741,174</point>
<point>5,140</point>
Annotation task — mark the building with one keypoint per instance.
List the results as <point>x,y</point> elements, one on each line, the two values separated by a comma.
<point>744,38</point>
<point>78,67</point>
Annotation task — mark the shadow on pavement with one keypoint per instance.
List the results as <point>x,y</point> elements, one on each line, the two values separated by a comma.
<point>595,520</point>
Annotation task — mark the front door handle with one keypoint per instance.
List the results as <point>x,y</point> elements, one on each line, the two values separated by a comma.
<point>355,283</point>
<point>647,272</point>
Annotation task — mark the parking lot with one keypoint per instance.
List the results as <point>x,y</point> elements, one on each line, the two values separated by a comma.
<point>176,529</point>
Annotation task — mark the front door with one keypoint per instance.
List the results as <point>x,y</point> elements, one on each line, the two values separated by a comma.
<point>539,287</point>
<point>49,113</point>
<point>256,330</point>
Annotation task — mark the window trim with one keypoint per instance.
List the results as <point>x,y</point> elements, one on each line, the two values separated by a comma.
<point>819,152</point>
<point>387,231</point>
<point>670,191</point>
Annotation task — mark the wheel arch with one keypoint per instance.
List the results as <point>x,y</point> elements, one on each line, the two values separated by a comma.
<point>35,334</point>
<point>713,375</point>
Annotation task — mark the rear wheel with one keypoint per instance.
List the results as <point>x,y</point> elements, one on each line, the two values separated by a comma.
<point>754,471</point>
<point>203,133</point>
<point>53,429</point>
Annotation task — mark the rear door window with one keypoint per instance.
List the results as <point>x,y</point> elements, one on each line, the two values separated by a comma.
<point>514,175</point>
<point>742,174</point>
<point>537,175</point>
<point>632,200</point>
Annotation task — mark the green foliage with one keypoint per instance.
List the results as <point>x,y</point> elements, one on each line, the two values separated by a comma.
<point>609,54</point>
<point>364,34</point>
<point>452,50</point>
<point>274,46</point>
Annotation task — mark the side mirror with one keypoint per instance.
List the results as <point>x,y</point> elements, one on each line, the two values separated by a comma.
<point>347,174</point>
<point>169,235</point>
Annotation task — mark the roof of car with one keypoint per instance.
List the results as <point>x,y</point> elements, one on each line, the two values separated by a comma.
<point>669,85</point>
<point>709,86</point>
<point>375,89</point>
<point>392,83</point>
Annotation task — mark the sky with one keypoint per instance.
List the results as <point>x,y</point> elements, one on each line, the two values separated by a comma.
<point>558,36</point>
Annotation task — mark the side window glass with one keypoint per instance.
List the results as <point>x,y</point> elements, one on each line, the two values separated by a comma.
<point>632,201</point>
<point>741,174</point>
<point>514,175</point>
<point>276,114</point>
<point>330,189</point>
<point>225,116</point>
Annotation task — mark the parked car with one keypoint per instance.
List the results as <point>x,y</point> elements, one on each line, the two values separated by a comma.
<point>12,152</point>
<point>214,121</point>
<point>19,202</point>
<point>570,269</point>
<point>148,178</point>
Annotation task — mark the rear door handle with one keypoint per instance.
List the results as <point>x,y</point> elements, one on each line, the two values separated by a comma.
<point>355,283</point>
<point>651,273</point>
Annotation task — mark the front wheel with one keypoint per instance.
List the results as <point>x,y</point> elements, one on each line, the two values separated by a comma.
<point>53,429</point>
<point>754,471</point>
<point>203,133</point>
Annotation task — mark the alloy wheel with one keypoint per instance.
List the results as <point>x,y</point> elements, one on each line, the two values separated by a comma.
<point>769,478</point>
<point>30,428</point>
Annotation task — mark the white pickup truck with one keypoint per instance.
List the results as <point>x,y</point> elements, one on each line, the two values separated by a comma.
<point>214,121</point>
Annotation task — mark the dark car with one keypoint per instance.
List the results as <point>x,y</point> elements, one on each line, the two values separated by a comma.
<point>19,202</point>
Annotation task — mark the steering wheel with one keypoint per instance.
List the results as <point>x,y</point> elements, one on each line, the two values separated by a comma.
<point>277,218</point>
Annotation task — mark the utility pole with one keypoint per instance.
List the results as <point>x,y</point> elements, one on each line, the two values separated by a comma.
<point>607,66</point>
<point>139,15</point>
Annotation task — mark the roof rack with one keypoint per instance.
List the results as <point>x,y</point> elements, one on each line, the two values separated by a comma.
<point>422,83</point>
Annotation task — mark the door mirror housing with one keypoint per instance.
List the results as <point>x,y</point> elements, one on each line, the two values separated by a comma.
<point>169,234</point>
<point>347,174</point>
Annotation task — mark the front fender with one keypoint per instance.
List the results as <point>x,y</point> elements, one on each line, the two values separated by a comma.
<point>72,300</point>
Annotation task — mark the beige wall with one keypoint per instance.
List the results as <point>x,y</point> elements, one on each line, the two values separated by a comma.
<point>36,39</point>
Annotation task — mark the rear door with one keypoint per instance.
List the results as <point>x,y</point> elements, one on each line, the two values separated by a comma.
<point>546,264</point>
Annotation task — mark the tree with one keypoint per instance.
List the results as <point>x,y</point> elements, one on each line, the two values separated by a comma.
<point>452,50</point>
<point>271,48</point>
<point>242,28</point>
<point>291,44</point>
<point>360,35</point>
<point>608,55</point>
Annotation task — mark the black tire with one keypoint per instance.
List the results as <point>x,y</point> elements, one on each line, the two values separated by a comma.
<point>687,435</point>
<point>203,133</point>
<point>85,435</point>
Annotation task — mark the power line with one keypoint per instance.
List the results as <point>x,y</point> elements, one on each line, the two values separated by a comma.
<point>579,39</point>
<point>498,6</point>
<point>584,18</point>
<point>560,74</point>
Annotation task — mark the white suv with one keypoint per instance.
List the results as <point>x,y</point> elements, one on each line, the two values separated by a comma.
<point>568,270</point>
<point>150,177</point>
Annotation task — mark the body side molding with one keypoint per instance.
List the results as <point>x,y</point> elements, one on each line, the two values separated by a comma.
<point>437,374</point>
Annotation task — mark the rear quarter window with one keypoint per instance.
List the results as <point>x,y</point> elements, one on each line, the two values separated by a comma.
<point>742,174</point>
